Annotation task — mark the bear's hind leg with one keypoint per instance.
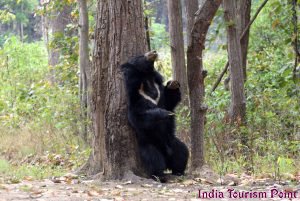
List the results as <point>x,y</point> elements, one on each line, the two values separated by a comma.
<point>153,161</point>
<point>178,160</point>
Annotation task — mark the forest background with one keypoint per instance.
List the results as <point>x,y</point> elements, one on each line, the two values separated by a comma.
<point>45,126</point>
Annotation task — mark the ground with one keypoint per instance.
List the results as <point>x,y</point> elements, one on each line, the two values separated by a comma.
<point>70,187</point>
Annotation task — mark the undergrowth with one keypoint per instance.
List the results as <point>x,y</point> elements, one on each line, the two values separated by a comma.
<point>39,120</point>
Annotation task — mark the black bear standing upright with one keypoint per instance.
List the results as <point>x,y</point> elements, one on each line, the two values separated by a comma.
<point>150,112</point>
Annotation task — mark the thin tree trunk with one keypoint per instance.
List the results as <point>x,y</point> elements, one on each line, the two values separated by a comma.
<point>295,37</point>
<point>58,23</point>
<point>84,63</point>
<point>21,25</point>
<point>45,26</point>
<point>119,34</point>
<point>165,15</point>
<point>177,46</point>
<point>147,33</point>
<point>203,19</point>
<point>237,110</point>
<point>191,7</point>
<point>159,11</point>
<point>241,37</point>
<point>243,19</point>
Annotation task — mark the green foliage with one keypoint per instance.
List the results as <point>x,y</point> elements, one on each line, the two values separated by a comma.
<point>41,118</point>
<point>158,36</point>
<point>66,70</point>
<point>18,10</point>
<point>269,142</point>
<point>4,166</point>
<point>13,13</point>
<point>273,105</point>
<point>35,115</point>
<point>6,16</point>
<point>21,68</point>
<point>18,173</point>
<point>163,64</point>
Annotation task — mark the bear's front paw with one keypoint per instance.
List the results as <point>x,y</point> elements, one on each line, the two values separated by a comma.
<point>166,114</point>
<point>174,84</point>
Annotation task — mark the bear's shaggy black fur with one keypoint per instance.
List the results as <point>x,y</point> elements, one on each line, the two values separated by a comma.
<point>151,113</point>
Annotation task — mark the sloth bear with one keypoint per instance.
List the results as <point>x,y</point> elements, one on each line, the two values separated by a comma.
<point>151,113</point>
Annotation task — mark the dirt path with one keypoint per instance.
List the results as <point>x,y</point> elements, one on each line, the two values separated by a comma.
<point>146,190</point>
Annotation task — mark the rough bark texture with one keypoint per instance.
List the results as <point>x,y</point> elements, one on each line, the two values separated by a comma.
<point>177,46</point>
<point>237,110</point>
<point>58,23</point>
<point>243,19</point>
<point>84,63</point>
<point>119,34</point>
<point>203,19</point>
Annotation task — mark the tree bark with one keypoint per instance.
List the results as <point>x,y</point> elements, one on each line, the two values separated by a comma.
<point>177,46</point>
<point>119,34</point>
<point>165,15</point>
<point>84,64</point>
<point>191,6</point>
<point>237,110</point>
<point>21,25</point>
<point>243,19</point>
<point>203,19</point>
<point>295,37</point>
<point>147,33</point>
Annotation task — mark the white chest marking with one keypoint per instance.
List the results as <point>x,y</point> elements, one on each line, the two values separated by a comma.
<point>142,93</point>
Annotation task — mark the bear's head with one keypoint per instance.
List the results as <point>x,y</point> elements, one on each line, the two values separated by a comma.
<point>143,63</point>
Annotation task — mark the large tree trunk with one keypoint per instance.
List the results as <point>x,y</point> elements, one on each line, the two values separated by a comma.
<point>177,46</point>
<point>196,76</point>
<point>243,19</point>
<point>58,23</point>
<point>119,34</point>
<point>84,63</point>
<point>237,110</point>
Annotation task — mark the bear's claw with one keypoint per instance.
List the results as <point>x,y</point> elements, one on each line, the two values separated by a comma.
<point>174,84</point>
